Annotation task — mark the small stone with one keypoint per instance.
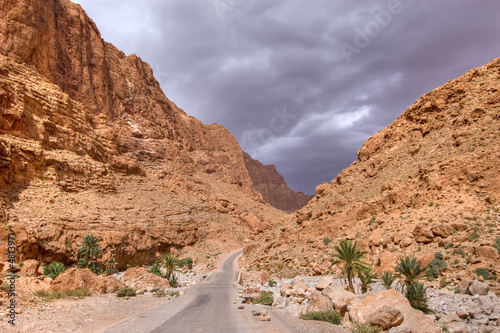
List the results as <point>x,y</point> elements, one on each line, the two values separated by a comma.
<point>241,307</point>
<point>256,313</point>
<point>265,318</point>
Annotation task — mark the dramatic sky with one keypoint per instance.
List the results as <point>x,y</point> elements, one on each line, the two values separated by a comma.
<point>301,83</point>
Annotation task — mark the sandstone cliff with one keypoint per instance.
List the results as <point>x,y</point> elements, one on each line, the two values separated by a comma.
<point>268,182</point>
<point>90,144</point>
<point>428,182</point>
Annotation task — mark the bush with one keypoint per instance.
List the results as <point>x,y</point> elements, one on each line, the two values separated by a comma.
<point>188,262</point>
<point>95,268</point>
<point>126,292</point>
<point>447,245</point>
<point>54,269</point>
<point>366,328</point>
<point>265,298</point>
<point>272,283</point>
<point>474,235</point>
<point>326,240</point>
<point>497,244</point>
<point>436,266</point>
<point>328,316</point>
<point>483,272</point>
<point>53,295</point>
<point>416,295</point>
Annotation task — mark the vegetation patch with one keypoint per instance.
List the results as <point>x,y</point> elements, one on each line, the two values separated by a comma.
<point>436,266</point>
<point>366,328</point>
<point>265,298</point>
<point>54,269</point>
<point>483,272</point>
<point>126,292</point>
<point>47,295</point>
<point>329,316</point>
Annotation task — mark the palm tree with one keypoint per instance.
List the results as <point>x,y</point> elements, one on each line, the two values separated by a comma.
<point>111,266</point>
<point>169,261</point>
<point>387,279</point>
<point>367,277</point>
<point>411,269</point>
<point>90,248</point>
<point>350,256</point>
<point>416,295</point>
<point>54,269</point>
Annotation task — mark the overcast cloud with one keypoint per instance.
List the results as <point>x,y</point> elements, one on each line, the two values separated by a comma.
<point>301,84</point>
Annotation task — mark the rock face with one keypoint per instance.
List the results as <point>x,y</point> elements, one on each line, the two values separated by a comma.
<point>426,183</point>
<point>268,182</point>
<point>90,144</point>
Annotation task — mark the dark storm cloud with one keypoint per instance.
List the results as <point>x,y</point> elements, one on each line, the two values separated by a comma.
<point>301,84</point>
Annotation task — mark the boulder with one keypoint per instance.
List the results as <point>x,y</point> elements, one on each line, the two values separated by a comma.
<point>299,286</point>
<point>487,252</point>
<point>140,278</point>
<point>407,241</point>
<point>452,322</point>
<point>478,288</point>
<point>30,267</point>
<point>442,230</point>
<point>423,233</point>
<point>339,297</point>
<point>318,302</point>
<point>74,278</point>
<point>361,311</point>
<point>386,317</point>
<point>325,282</point>
<point>462,312</point>
<point>463,286</point>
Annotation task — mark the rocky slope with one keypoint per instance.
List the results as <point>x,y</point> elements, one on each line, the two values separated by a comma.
<point>268,182</point>
<point>428,182</point>
<point>90,144</point>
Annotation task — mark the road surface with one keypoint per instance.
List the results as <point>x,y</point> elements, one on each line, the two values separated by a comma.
<point>205,308</point>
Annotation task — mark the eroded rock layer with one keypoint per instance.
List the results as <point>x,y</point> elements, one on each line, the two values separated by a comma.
<point>90,144</point>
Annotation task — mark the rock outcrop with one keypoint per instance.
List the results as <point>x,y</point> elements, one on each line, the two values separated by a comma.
<point>90,144</point>
<point>268,182</point>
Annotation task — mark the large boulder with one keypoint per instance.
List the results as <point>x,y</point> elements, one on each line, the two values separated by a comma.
<point>339,297</point>
<point>478,288</point>
<point>299,286</point>
<point>140,278</point>
<point>75,278</point>
<point>361,311</point>
<point>386,317</point>
<point>318,302</point>
<point>487,252</point>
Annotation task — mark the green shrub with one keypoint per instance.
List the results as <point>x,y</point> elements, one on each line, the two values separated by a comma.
<point>326,240</point>
<point>416,295</point>
<point>54,269</point>
<point>436,266</point>
<point>95,267</point>
<point>272,283</point>
<point>447,245</point>
<point>366,328</point>
<point>265,298</point>
<point>387,279</point>
<point>410,269</point>
<point>328,316</point>
<point>483,272</point>
<point>442,282</point>
<point>459,251</point>
<point>53,295</point>
<point>474,235</point>
<point>126,292</point>
<point>497,244</point>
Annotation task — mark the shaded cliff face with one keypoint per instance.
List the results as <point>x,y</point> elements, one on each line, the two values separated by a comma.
<point>90,144</point>
<point>429,179</point>
<point>268,182</point>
